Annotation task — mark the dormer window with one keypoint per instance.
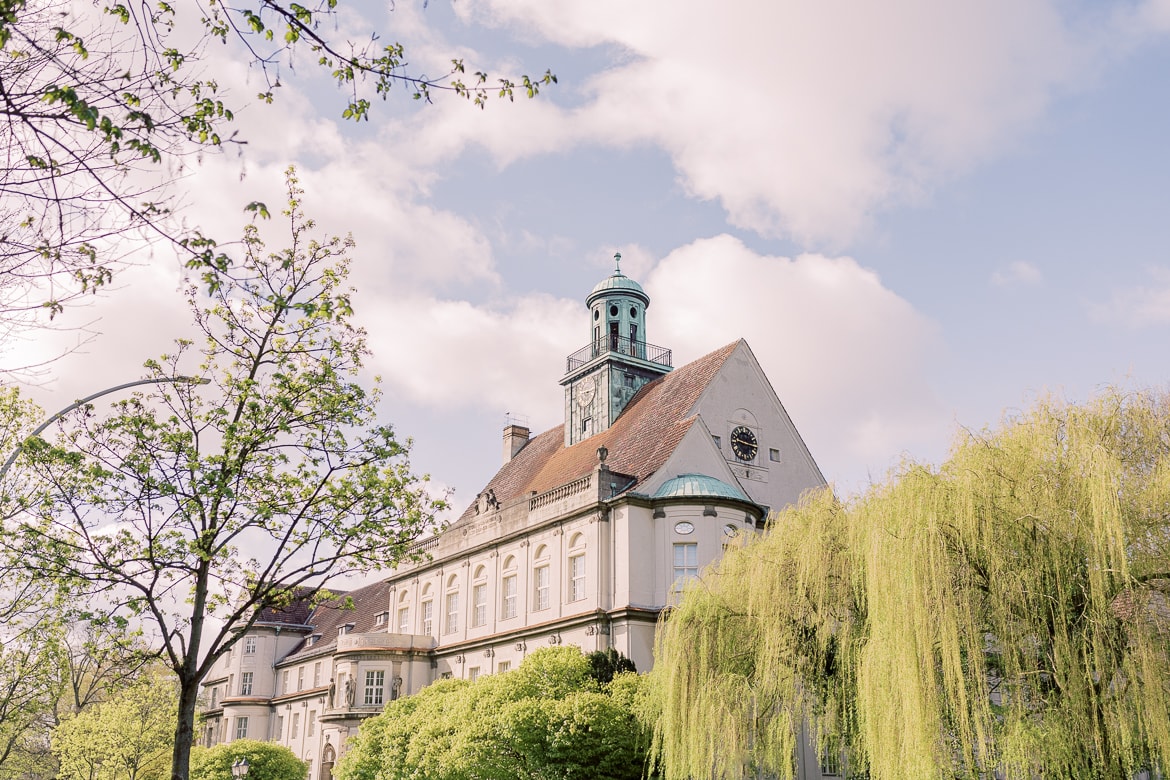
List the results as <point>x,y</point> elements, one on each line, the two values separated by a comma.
<point>345,629</point>
<point>312,640</point>
<point>381,618</point>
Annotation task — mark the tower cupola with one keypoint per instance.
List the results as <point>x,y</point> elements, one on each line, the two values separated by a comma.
<point>601,377</point>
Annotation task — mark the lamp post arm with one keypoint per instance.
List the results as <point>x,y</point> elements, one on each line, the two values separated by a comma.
<point>191,380</point>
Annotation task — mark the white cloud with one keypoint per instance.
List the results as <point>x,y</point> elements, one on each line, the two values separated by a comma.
<point>802,119</point>
<point>849,358</point>
<point>1138,307</point>
<point>1017,274</point>
<point>451,353</point>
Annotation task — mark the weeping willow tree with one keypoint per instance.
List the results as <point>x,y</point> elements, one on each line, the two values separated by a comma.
<point>1008,612</point>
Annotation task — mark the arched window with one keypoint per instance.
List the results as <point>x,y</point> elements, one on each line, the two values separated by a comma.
<point>427,611</point>
<point>452,603</point>
<point>508,589</point>
<point>404,613</point>
<point>479,597</point>
<point>576,567</point>
<point>541,596</point>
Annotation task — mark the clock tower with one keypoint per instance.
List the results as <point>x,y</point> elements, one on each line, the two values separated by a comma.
<point>602,377</point>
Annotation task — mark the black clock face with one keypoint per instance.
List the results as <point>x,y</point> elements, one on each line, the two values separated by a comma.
<point>743,443</point>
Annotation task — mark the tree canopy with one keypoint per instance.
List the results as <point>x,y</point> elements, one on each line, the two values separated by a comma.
<point>549,719</point>
<point>266,761</point>
<point>194,505</point>
<point>129,736</point>
<point>1007,612</point>
<point>94,98</point>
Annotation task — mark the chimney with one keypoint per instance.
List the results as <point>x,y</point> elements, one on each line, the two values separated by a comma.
<point>515,437</point>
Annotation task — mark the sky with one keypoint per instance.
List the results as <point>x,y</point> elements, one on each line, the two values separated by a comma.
<point>921,215</point>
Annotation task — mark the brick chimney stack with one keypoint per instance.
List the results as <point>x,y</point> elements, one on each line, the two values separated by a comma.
<point>515,437</point>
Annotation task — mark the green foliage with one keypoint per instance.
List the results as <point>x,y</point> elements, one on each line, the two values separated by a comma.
<point>547,719</point>
<point>94,91</point>
<point>126,737</point>
<point>266,761</point>
<point>1007,613</point>
<point>604,664</point>
<point>262,480</point>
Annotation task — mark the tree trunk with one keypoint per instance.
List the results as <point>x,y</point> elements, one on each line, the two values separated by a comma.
<point>185,727</point>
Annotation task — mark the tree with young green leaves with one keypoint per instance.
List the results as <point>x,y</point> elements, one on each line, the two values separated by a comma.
<point>1007,613</point>
<point>191,507</point>
<point>549,719</point>
<point>266,761</point>
<point>96,98</point>
<point>128,736</point>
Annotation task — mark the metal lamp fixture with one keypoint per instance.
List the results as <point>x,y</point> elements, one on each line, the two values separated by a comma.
<point>240,768</point>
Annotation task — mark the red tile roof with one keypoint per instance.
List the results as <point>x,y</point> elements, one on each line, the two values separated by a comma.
<point>639,441</point>
<point>360,607</point>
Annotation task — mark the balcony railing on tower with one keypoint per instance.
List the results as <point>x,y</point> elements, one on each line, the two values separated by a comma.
<point>622,346</point>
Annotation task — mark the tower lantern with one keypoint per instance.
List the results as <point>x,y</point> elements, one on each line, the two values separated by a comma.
<point>602,377</point>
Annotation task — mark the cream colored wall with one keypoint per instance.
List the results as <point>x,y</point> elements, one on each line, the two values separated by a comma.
<point>742,394</point>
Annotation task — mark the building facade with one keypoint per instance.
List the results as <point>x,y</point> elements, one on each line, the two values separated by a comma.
<point>583,537</point>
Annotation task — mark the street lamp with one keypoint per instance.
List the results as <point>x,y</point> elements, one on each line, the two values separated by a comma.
<point>189,380</point>
<point>240,768</point>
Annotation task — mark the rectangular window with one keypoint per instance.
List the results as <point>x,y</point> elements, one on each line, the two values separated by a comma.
<point>774,455</point>
<point>452,613</point>
<point>246,684</point>
<point>428,615</point>
<point>503,666</point>
<point>280,727</point>
<point>404,620</point>
<point>241,728</point>
<point>375,682</point>
<point>284,682</point>
<point>509,605</point>
<point>473,673</point>
<point>311,726</point>
<point>301,678</point>
<point>380,618</point>
<point>317,674</point>
<point>577,578</point>
<point>479,602</point>
<point>295,730</point>
<point>540,588</point>
<point>249,645</point>
<point>686,562</point>
<point>214,697</point>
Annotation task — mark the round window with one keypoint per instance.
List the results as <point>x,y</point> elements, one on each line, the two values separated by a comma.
<point>613,311</point>
<point>684,528</point>
<point>597,314</point>
<point>633,313</point>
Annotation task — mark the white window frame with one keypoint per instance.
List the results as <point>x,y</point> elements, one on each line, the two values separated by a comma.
<point>508,588</point>
<point>249,645</point>
<point>242,727</point>
<point>686,563</point>
<point>577,576</point>
<point>404,619</point>
<point>451,624</point>
<point>246,683</point>
<point>479,604</point>
<point>541,587</point>
<point>375,687</point>
<point>428,617</point>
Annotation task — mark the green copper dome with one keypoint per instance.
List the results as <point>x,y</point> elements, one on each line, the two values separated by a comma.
<point>698,486</point>
<point>621,283</point>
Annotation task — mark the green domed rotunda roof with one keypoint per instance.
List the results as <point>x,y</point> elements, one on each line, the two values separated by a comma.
<point>698,486</point>
<point>618,282</point>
